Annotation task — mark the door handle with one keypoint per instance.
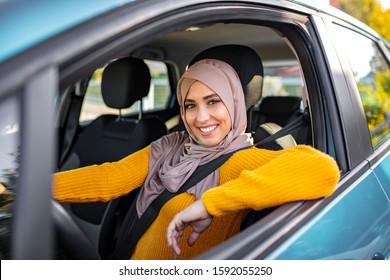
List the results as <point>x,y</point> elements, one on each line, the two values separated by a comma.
<point>378,256</point>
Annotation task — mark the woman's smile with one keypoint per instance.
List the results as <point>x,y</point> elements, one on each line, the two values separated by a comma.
<point>208,129</point>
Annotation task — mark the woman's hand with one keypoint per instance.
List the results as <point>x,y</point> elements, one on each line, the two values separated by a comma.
<point>195,216</point>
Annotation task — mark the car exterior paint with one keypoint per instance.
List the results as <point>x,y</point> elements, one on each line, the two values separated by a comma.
<point>350,238</point>
<point>31,22</point>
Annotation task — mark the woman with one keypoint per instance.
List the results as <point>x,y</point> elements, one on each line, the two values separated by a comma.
<point>213,111</point>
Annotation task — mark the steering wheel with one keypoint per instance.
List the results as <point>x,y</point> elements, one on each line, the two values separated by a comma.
<point>70,236</point>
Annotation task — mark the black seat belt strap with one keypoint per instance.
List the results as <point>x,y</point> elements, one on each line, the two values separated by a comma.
<point>298,123</point>
<point>71,126</point>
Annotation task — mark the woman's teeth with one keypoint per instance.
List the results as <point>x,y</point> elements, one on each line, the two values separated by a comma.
<point>207,129</point>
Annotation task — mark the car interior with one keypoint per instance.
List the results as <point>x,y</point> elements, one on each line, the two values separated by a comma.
<point>130,101</point>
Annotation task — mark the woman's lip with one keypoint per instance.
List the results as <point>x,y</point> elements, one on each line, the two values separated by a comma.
<point>208,129</point>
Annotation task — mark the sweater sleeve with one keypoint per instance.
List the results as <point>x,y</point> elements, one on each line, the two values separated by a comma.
<point>298,173</point>
<point>102,182</point>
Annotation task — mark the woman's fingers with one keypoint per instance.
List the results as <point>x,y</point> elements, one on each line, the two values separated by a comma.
<point>195,216</point>
<point>174,233</point>
<point>193,238</point>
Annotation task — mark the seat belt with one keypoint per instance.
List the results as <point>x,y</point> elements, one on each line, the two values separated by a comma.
<point>134,227</point>
<point>71,127</point>
<point>73,119</point>
<point>298,123</point>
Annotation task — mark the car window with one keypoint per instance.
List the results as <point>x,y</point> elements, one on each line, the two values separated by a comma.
<point>283,79</point>
<point>9,162</point>
<point>372,75</point>
<point>93,105</point>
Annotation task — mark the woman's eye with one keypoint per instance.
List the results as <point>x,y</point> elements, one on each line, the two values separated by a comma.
<point>189,106</point>
<point>214,101</point>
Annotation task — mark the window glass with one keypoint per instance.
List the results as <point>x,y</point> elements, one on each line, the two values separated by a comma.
<point>283,79</point>
<point>9,162</point>
<point>372,75</point>
<point>282,96</point>
<point>93,105</point>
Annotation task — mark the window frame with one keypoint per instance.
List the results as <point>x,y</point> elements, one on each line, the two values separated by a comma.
<point>366,150</point>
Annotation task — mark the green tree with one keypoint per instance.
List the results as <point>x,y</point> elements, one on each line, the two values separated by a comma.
<point>370,12</point>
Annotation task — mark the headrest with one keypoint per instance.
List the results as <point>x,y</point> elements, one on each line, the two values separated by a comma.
<point>280,105</point>
<point>125,81</point>
<point>247,64</point>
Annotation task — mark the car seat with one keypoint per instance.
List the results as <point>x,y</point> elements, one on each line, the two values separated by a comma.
<point>273,113</point>
<point>277,109</point>
<point>110,138</point>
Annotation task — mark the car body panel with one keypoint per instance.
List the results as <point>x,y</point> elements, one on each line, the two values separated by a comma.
<point>339,233</point>
<point>36,21</point>
<point>382,172</point>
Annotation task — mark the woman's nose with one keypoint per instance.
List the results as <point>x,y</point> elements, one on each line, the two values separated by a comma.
<point>203,114</point>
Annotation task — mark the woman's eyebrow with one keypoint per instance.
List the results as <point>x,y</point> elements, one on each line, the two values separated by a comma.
<point>210,96</point>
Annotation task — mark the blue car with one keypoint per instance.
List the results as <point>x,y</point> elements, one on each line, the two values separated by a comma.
<point>59,110</point>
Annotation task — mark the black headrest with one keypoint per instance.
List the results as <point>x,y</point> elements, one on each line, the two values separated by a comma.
<point>280,105</point>
<point>125,81</point>
<point>247,64</point>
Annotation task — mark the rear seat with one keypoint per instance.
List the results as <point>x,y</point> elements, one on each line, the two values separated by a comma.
<point>277,109</point>
<point>273,113</point>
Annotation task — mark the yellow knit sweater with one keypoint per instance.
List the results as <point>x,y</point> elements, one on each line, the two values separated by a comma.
<point>250,179</point>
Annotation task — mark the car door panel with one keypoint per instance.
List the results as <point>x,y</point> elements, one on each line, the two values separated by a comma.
<point>382,172</point>
<point>339,233</point>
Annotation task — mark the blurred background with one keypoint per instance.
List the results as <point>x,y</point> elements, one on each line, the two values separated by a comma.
<point>374,13</point>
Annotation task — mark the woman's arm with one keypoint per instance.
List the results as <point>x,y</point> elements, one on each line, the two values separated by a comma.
<point>299,173</point>
<point>102,182</point>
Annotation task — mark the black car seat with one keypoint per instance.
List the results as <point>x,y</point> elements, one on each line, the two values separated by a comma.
<point>278,109</point>
<point>273,113</point>
<point>110,138</point>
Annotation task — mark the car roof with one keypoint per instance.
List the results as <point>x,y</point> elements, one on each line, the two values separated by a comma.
<point>26,23</point>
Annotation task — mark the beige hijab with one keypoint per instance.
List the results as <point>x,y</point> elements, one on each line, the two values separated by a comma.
<point>173,158</point>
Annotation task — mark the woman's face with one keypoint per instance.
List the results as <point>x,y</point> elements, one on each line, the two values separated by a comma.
<point>206,114</point>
